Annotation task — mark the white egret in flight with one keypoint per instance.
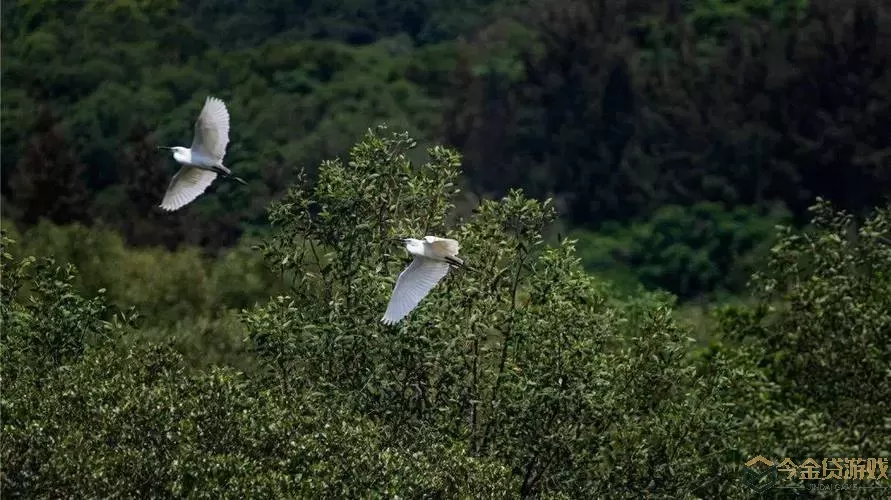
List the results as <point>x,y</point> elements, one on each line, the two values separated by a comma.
<point>432,258</point>
<point>204,160</point>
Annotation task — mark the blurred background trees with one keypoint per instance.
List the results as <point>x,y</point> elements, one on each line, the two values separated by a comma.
<point>703,251</point>
<point>619,108</point>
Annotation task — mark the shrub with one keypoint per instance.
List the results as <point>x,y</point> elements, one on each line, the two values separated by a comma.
<point>689,251</point>
<point>86,416</point>
<point>820,330</point>
<point>521,359</point>
<point>184,295</point>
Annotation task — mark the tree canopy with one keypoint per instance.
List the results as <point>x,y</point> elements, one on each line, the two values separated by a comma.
<point>524,378</point>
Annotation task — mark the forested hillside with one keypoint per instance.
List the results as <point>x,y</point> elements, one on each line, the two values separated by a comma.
<point>677,216</point>
<point>622,107</point>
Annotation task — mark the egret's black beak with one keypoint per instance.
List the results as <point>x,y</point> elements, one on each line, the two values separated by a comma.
<point>165,147</point>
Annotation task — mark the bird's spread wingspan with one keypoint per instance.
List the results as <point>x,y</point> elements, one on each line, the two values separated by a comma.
<point>185,186</point>
<point>212,130</point>
<point>413,284</point>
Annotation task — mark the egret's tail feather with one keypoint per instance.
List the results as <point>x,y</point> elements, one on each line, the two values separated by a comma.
<point>236,179</point>
<point>457,262</point>
<point>225,172</point>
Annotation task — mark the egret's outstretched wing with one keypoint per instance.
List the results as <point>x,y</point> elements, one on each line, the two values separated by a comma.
<point>212,130</point>
<point>185,186</point>
<point>413,284</point>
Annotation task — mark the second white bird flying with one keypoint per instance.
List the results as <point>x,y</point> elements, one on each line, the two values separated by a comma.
<point>432,258</point>
<point>204,160</point>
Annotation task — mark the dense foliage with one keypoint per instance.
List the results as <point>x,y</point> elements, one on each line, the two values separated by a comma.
<point>209,353</point>
<point>521,377</point>
<point>618,108</point>
<point>703,249</point>
<point>824,315</point>
<point>181,295</point>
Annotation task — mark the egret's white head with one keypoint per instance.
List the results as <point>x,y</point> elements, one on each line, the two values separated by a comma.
<point>180,153</point>
<point>413,245</point>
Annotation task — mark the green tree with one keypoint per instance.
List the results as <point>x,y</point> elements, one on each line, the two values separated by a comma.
<point>521,360</point>
<point>689,251</point>
<point>820,332</point>
<point>85,415</point>
<point>49,181</point>
<point>745,102</point>
<point>183,295</point>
